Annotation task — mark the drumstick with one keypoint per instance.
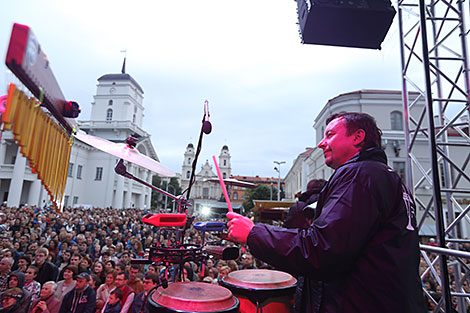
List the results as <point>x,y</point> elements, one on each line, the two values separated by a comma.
<point>222,184</point>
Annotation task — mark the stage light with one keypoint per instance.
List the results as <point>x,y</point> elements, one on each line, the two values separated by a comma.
<point>206,211</point>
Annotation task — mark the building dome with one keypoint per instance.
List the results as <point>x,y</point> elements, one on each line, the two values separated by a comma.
<point>225,147</point>
<point>190,145</point>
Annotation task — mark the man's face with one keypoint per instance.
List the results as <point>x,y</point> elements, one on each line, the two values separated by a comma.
<point>40,258</point>
<point>133,273</point>
<point>4,265</point>
<point>113,299</point>
<point>337,146</point>
<point>75,260</point>
<point>125,258</point>
<point>120,280</point>
<point>46,291</point>
<point>81,283</point>
<point>148,284</point>
<point>22,263</point>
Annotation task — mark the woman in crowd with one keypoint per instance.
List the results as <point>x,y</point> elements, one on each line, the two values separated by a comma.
<point>30,284</point>
<point>66,285</point>
<point>99,270</point>
<point>23,262</point>
<point>103,291</point>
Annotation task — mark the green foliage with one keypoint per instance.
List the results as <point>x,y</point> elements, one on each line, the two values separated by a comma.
<point>259,193</point>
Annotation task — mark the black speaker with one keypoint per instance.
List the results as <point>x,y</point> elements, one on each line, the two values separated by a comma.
<point>346,23</point>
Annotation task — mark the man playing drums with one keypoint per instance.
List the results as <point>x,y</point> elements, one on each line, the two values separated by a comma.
<point>363,246</point>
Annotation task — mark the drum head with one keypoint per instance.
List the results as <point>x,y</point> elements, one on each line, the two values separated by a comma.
<point>262,281</point>
<point>194,297</point>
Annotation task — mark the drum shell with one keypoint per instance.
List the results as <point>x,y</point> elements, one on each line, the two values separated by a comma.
<point>192,297</point>
<point>272,295</point>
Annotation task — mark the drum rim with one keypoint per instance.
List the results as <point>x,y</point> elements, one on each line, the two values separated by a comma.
<point>235,308</point>
<point>258,286</point>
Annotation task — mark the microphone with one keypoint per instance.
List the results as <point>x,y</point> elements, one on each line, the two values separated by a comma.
<point>206,125</point>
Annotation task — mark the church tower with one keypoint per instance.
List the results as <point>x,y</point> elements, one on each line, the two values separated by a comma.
<point>189,156</point>
<point>224,162</point>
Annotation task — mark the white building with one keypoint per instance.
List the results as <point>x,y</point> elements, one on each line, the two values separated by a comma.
<point>117,112</point>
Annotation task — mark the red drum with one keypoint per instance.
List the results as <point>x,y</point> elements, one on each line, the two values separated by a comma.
<point>185,297</point>
<point>262,290</point>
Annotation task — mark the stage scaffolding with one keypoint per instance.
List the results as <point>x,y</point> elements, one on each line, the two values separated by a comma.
<point>434,59</point>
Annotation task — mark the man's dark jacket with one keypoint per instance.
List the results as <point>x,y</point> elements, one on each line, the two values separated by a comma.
<point>363,246</point>
<point>79,301</point>
<point>47,272</point>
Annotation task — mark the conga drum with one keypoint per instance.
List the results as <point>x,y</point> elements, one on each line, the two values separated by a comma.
<point>264,291</point>
<point>186,297</point>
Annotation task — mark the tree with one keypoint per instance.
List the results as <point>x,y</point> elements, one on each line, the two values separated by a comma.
<point>259,193</point>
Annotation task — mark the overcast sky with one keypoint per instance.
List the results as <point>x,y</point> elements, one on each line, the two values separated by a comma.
<point>245,57</point>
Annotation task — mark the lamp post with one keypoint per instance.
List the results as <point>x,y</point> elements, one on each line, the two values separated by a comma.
<point>278,170</point>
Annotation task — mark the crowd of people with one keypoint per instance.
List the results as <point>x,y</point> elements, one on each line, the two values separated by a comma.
<point>78,260</point>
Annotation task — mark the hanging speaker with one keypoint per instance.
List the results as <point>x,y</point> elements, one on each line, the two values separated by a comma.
<point>345,23</point>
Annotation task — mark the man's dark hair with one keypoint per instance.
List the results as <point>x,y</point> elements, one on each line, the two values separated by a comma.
<point>355,121</point>
<point>153,277</point>
<point>126,275</point>
<point>117,293</point>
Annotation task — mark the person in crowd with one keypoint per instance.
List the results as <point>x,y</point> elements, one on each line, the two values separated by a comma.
<point>68,283</point>
<point>364,240</point>
<point>248,262</point>
<point>134,282</point>
<point>23,262</point>
<point>47,270</point>
<point>81,299</point>
<point>46,303</point>
<point>127,293</point>
<point>114,302</point>
<point>75,260</point>
<point>86,263</point>
<point>5,271</point>
<point>301,212</point>
<point>16,280</point>
<point>95,281</point>
<point>150,281</point>
<point>110,265</point>
<point>12,300</point>
<point>31,284</point>
<point>104,290</point>
<point>64,260</point>
<point>99,270</point>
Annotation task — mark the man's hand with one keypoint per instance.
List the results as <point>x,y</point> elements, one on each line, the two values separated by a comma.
<point>238,227</point>
<point>42,305</point>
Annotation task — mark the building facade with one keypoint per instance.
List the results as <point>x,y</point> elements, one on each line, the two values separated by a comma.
<point>117,112</point>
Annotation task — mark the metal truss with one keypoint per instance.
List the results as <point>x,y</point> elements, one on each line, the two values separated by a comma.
<point>433,43</point>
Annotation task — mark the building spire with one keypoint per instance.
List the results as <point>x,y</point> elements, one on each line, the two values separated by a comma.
<point>123,70</point>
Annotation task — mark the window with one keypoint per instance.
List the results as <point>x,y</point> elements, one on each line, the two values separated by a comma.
<point>396,119</point>
<point>110,102</point>
<point>399,167</point>
<point>75,200</point>
<point>243,196</point>
<point>109,114</point>
<point>66,201</point>
<point>224,175</point>
<point>79,171</point>
<point>189,160</point>
<point>70,172</point>
<point>188,174</point>
<point>225,162</point>
<point>205,193</point>
<point>99,173</point>
<point>133,118</point>
<point>235,196</point>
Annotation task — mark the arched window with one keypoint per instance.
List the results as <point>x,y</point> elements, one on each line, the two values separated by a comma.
<point>109,114</point>
<point>133,118</point>
<point>224,175</point>
<point>396,119</point>
<point>235,196</point>
<point>110,102</point>
<point>188,174</point>
<point>225,162</point>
